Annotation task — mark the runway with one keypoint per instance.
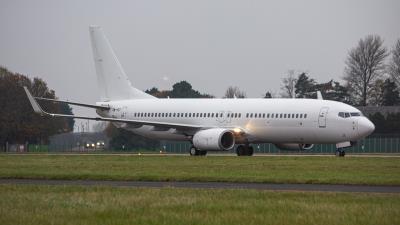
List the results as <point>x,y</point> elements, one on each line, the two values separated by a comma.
<point>211,185</point>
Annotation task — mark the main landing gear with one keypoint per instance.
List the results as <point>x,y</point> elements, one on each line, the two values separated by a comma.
<point>244,150</point>
<point>194,151</point>
<point>340,152</point>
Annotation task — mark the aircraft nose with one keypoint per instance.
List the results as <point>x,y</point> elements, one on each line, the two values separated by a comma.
<point>365,127</point>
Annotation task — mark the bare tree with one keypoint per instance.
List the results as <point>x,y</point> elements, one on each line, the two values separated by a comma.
<point>364,65</point>
<point>288,85</point>
<point>99,127</point>
<point>232,92</point>
<point>394,65</point>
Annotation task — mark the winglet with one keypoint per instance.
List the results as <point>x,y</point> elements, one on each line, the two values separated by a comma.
<point>35,105</point>
<point>319,95</point>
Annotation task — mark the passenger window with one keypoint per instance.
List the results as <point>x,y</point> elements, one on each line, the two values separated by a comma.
<point>305,116</point>
<point>288,116</point>
<point>272,115</point>
<point>284,115</point>
<point>255,115</point>
<point>212,114</point>
<point>281,115</point>
<point>247,115</point>
<point>216,115</point>
<point>251,115</point>
<point>301,115</point>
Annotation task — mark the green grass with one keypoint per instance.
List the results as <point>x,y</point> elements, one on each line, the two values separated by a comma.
<point>106,205</point>
<point>323,170</point>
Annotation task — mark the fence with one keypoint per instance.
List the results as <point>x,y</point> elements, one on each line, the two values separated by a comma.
<point>369,145</point>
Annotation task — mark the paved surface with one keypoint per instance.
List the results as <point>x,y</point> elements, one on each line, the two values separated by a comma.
<point>211,185</point>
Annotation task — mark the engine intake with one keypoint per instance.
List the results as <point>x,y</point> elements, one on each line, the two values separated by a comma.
<point>214,139</point>
<point>294,146</point>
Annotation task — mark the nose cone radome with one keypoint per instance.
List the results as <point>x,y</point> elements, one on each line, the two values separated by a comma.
<point>365,127</point>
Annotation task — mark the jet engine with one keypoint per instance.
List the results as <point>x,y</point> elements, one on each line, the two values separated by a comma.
<point>214,139</point>
<point>294,146</point>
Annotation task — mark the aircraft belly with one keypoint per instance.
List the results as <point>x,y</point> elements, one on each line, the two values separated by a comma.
<point>147,131</point>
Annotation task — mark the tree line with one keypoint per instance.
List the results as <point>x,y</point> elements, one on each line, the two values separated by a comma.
<point>371,77</point>
<point>18,123</point>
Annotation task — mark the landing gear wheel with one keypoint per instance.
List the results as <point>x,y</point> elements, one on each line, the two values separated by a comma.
<point>250,151</point>
<point>203,152</point>
<point>240,150</point>
<point>194,151</point>
<point>244,150</point>
<point>340,152</point>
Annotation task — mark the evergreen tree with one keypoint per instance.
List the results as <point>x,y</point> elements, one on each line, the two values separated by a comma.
<point>390,93</point>
<point>305,86</point>
<point>268,95</point>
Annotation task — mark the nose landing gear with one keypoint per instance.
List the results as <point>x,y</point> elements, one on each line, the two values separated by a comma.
<point>340,152</point>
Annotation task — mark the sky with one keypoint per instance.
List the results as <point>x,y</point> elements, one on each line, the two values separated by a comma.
<point>213,44</point>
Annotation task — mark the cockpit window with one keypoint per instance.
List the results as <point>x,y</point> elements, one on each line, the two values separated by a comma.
<point>347,115</point>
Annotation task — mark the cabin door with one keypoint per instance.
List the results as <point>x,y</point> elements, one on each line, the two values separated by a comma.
<point>323,113</point>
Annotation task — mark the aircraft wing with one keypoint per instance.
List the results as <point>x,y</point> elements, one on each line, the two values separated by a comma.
<point>36,107</point>
<point>75,103</point>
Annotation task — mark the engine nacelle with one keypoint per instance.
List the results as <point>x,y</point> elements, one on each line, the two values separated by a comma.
<point>214,139</point>
<point>294,146</point>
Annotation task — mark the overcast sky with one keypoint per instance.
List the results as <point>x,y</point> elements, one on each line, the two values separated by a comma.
<point>210,43</point>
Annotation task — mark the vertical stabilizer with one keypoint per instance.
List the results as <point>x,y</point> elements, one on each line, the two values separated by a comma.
<point>112,80</point>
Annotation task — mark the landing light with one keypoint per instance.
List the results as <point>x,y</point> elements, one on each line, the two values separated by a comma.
<point>237,130</point>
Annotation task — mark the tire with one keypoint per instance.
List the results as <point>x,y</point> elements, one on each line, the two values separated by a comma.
<point>250,151</point>
<point>193,151</point>
<point>203,153</point>
<point>340,153</point>
<point>240,150</point>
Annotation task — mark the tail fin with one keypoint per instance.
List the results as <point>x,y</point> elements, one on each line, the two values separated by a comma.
<point>112,80</point>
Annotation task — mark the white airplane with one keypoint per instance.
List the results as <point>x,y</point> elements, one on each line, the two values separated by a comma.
<point>216,124</point>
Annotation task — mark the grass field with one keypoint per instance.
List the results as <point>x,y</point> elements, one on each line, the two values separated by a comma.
<point>107,205</point>
<point>323,170</point>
